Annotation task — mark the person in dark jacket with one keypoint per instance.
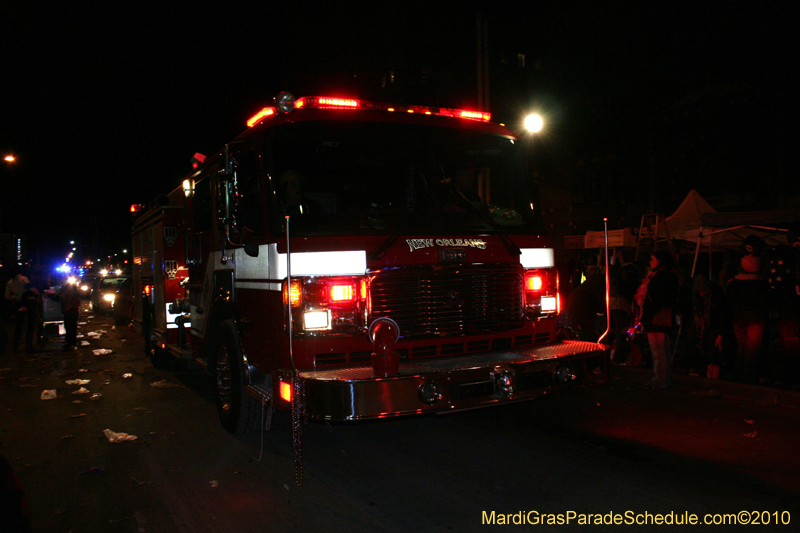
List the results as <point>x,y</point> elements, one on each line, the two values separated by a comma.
<point>655,303</point>
<point>30,305</point>
<point>70,298</point>
<point>748,295</point>
<point>15,288</point>
<point>784,281</point>
<point>711,330</point>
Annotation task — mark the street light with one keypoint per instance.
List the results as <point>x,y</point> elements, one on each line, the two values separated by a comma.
<point>534,123</point>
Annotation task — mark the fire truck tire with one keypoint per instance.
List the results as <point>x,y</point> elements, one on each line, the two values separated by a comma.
<point>238,411</point>
<point>158,358</point>
<point>154,353</point>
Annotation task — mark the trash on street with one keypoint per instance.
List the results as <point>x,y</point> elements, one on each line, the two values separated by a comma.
<point>113,436</point>
<point>164,384</point>
<point>49,394</point>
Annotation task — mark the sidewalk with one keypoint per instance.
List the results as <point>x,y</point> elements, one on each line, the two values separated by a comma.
<point>711,387</point>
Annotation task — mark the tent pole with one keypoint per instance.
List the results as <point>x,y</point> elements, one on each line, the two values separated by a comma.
<point>710,257</point>
<point>697,250</point>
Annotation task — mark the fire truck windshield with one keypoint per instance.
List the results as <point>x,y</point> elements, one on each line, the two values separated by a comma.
<point>378,178</point>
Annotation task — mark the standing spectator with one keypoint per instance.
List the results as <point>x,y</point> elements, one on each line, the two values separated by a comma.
<point>784,280</point>
<point>748,295</point>
<point>29,307</point>
<point>70,297</point>
<point>585,303</point>
<point>654,304</point>
<point>15,288</point>
<point>711,335</point>
<point>624,281</point>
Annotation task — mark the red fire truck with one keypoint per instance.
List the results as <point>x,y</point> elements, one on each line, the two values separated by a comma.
<point>352,260</point>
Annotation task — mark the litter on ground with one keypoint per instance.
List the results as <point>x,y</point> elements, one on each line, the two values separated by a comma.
<point>49,394</point>
<point>113,436</point>
<point>164,384</point>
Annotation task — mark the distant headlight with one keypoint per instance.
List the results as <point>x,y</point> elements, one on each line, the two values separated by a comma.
<point>84,288</point>
<point>109,297</point>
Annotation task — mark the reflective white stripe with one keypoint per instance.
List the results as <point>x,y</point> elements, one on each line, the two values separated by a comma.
<point>171,319</point>
<point>324,264</point>
<point>252,267</point>
<point>258,285</point>
<point>537,258</point>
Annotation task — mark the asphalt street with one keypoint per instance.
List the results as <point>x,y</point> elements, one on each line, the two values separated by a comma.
<point>703,447</point>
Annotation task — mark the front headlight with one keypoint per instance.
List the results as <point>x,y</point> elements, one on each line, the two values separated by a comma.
<point>109,297</point>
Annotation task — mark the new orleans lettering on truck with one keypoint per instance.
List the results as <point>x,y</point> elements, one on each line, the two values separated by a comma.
<point>350,260</point>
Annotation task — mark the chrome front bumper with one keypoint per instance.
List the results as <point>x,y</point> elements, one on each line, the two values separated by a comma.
<point>440,385</point>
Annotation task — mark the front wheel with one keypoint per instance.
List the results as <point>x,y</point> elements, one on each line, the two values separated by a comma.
<point>238,411</point>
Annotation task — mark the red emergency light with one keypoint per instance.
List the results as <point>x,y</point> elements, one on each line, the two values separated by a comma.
<point>255,119</point>
<point>540,288</point>
<point>329,102</point>
<point>533,283</point>
<point>336,102</point>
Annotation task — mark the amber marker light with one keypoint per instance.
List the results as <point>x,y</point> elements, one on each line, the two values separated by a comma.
<point>286,391</point>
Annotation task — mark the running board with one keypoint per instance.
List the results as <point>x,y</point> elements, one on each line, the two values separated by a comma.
<point>180,353</point>
<point>260,392</point>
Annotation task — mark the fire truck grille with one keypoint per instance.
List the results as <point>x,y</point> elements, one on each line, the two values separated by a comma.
<point>451,301</point>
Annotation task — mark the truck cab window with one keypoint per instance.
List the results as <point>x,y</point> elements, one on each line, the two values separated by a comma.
<point>250,213</point>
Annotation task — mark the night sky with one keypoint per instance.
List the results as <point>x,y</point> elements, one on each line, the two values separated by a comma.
<point>104,106</point>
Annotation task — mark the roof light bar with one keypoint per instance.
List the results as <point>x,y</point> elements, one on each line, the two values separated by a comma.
<point>328,102</point>
<point>255,119</point>
<point>476,115</point>
<point>336,102</point>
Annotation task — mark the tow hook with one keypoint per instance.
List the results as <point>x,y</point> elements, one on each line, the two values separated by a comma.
<point>384,333</point>
<point>504,381</point>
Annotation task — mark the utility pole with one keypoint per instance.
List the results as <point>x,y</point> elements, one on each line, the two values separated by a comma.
<point>482,42</point>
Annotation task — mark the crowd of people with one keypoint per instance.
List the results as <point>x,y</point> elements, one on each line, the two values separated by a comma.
<point>743,325</point>
<point>23,303</point>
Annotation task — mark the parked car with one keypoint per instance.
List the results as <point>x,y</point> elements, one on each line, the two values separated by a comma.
<point>104,293</point>
<point>86,282</point>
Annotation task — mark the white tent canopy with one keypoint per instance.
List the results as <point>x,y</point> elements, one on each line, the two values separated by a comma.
<point>697,222</point>
<point>686,221</point>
